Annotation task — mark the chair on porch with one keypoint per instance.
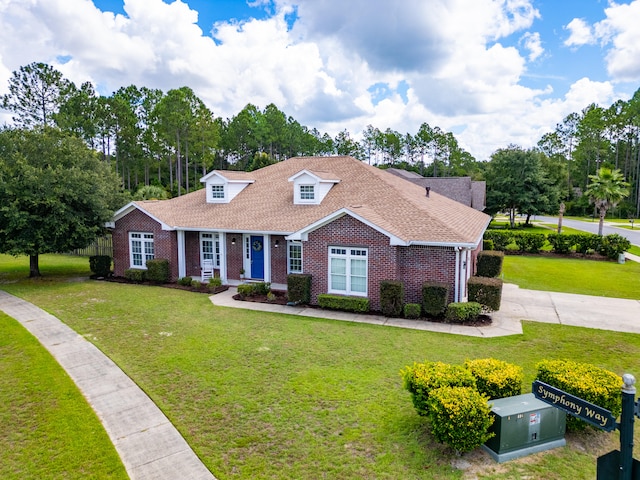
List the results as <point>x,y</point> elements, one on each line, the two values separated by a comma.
<point>206,270</point>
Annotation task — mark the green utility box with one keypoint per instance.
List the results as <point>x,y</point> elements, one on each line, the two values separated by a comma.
<point>524,425</point>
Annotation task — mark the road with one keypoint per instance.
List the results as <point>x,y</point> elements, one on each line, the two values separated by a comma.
<point>632,235</point>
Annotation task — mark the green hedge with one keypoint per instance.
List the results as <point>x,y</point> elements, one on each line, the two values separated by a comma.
<point>560,242</point>
<point>489,263</point>
<point>613,245</point>
<point>500,238</point>
<point>299,288</point>
<point>100,265</point>
<point>460,312</point>
<point>460,417</point>
<point>496,378</point>
<point>589,382</point>
<point>435,296</point>
<point>346,303</point>
<point>423,378</point>
<point>391,298</point>
<point>529,242</point>
<point>412,310</point>
<point>246,289</point>
<point>486,291</point>
<point>158,270</point>
<point>185,281</point>
<point>136,275</point>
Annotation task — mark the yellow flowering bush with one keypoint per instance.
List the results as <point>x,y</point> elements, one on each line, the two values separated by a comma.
<point>422,378</point>
<point>588,382</point>
<point>496,378</point>
<point>460,417</point>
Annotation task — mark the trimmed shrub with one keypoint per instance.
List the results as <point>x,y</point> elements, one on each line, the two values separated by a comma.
<point>158,270</point>
<point>486,291</point>
<point>214,283</point>
<point>462,312</point>
<point>100,265</point>
<point>529,242</point>
<point>185,281</point>
<point>136,275</point>
<point>261,288</point>
<point>487,245</point>
<point>495,378</point>
<point>345,303</point>
<point>391,298</point>
<point>435,296</point>
<point>460,417</point>
<point>613,245</point>
<point>589,382</point>
<point>246,289</point>
<point>586,242</point>
<point>489,263</point>
<point>500,238</point>
<point>423,378</point>
<point>196,283</point>
<point>412,310</point>
<point>299,288</point>
<point>561,243</point>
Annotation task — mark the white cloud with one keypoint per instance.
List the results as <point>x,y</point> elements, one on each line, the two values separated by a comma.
<point>533,43</point>
<point>621,29</point>
<point>581,33</point>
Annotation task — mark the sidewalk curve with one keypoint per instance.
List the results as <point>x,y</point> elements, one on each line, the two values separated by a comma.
<point>149,446</point>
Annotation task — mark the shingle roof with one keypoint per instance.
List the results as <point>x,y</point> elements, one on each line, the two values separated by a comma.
<point>393,204</point>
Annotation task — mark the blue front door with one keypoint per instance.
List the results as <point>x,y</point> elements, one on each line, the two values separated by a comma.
<point>257,257</point>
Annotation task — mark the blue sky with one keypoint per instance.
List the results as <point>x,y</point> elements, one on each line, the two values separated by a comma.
<point>494,72</point>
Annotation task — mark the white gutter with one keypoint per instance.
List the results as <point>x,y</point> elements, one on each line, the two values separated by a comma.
<point>456,282</point>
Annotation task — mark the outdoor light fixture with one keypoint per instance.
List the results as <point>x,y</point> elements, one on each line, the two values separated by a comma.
<point>277,243</point>
<point>233,241</point>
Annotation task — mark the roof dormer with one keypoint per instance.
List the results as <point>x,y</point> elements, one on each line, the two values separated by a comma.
<point>223,186</point>
<point>310,188</point>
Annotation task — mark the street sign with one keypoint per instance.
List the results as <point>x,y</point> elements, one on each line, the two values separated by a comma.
<point>590,413</point>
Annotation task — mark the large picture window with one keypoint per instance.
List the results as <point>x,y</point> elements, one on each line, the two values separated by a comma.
<point>210,248</point>
<point>348,270</point>
<point>140,249</point>
<point>294,257</point>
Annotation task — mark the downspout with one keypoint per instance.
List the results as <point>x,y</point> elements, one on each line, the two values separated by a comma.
<point>456,292</point>
<point>182,261</point>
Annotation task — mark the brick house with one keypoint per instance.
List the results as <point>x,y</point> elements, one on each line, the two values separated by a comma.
<point>347,224</point>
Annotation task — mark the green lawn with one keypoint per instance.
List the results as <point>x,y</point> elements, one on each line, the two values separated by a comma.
<point>588,277</point>
<point>261,395</point>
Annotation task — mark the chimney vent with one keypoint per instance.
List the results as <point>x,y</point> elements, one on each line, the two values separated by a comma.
<point>428,189</point>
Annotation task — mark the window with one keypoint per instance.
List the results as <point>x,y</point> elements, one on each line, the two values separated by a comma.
<point>210,248</point>
<point>348,270</point>
<point>140,249</point>
<point>307,192</point>
<point>217,192</point>
<point>294,257</point>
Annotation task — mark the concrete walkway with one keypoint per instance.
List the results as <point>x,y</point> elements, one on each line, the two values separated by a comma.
<point>517,304</point>
<point>149,446</point>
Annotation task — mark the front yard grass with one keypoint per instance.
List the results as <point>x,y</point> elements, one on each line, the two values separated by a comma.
<point>267,396</point>
<point>583,276</point>
<point>48,431</point>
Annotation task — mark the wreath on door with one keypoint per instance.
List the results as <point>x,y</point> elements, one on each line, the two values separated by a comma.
<point>257,245</point>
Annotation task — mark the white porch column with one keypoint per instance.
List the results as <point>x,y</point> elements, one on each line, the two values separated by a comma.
<point>456,282</point>
<point>182,259</point>
<point>223,257</point>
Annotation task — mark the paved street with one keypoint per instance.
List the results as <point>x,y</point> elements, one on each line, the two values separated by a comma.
<point>632,235</point>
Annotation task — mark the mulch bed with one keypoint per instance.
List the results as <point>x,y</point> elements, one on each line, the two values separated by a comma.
<point>281,299</point>
<point>204,288</point>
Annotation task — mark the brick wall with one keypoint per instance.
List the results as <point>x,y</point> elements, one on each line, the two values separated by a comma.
<point>418,264</point>
<point>164,242</point>
<point>278,259</point>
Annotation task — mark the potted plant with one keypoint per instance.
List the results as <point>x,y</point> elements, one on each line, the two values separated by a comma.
<point>242,274</point>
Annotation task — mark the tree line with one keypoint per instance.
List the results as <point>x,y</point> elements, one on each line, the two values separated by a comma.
<point>170,139</point>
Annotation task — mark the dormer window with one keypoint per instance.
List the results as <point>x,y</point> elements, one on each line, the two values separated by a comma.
<point>217,192</point>
<point>310,188</point>
<point>307,193</point>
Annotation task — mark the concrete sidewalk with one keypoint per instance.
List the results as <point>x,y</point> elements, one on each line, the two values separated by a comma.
<point>517,304</point>
<point>148,444</point>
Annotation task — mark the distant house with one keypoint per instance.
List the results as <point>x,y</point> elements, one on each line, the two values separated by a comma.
<point>347,224</point>
<point>469,192</point>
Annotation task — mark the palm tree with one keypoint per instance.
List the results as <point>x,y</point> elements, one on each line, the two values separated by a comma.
<point>606,190</point>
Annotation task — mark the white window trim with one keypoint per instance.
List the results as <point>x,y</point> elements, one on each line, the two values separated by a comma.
<point>291,243</point>
<point>348,256</point>
<point>145,238</point>
<point>215,198</point>
<point>217,248</point>
<point>311,189</point>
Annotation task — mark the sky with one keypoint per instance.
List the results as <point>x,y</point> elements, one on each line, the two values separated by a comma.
<point>493,72</point>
